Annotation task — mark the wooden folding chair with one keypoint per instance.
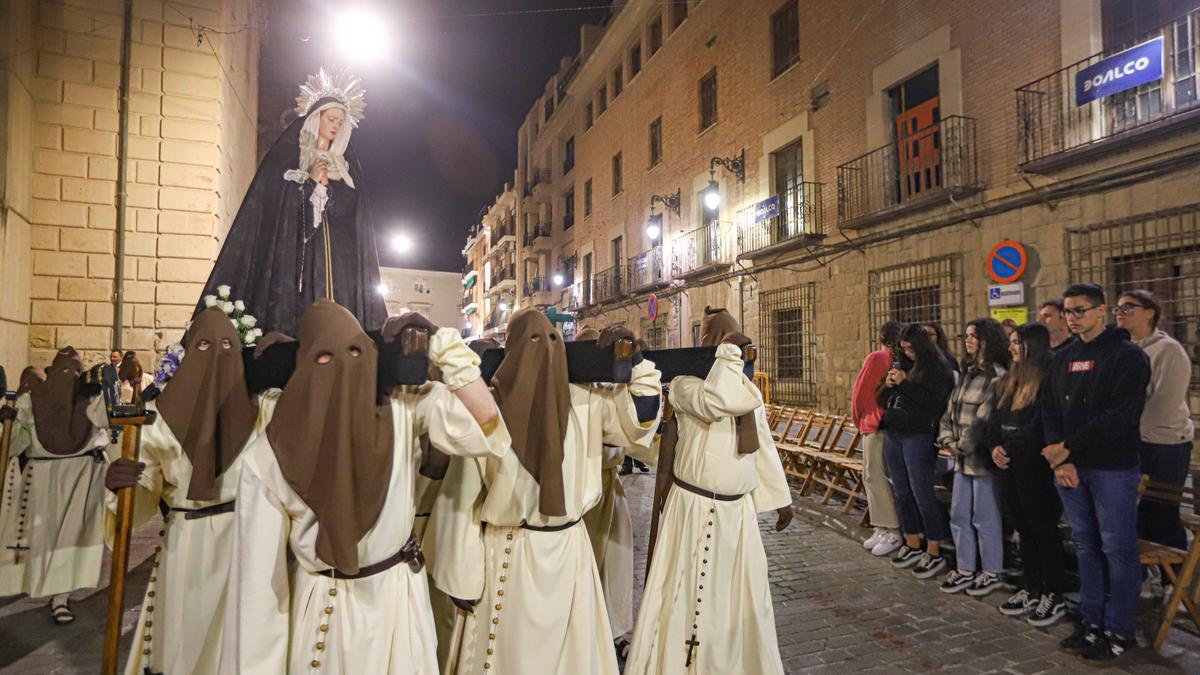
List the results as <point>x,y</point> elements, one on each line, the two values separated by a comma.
<point>788,442</point>
<point>1166,557</point>
<point>816,447</point>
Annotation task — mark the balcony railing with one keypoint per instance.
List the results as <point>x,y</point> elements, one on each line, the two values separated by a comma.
<point>497,319</point>
<point>923,164</point>
<point>1051,121</point>
<point>536,177</point>
<point>537,285</point>
<point>535,232</point>
<point>580,296</point>
<point>608,284</point>
<point>500,274</point>
<point>505,228</point>
<point>699,250</point>
<point>800,211</point>
<point>646,270</point>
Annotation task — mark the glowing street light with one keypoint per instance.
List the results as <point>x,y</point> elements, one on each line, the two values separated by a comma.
<point>558,280</point>
<point>382,288</point>
<point>653,231</point>
<point>360,35</point>
<point>712,196</point>
<point>504,307</point>
<point>402,243</point>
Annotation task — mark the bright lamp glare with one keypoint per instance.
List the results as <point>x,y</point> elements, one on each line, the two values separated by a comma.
<point>382,288</point>
<point>712,199</point>
<point>361,35</point>
<point>504,307</point>
<point>402,243</point>
<point>558,280</point>
<point>653,231</point>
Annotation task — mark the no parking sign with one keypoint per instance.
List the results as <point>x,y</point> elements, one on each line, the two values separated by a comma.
<point>1007,261</point>
<point>652,308</point>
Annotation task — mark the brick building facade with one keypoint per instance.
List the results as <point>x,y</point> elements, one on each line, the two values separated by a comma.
<point>903,138</point>
<point>192,139</point>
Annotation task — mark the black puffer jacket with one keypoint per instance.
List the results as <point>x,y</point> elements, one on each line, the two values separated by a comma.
<point>1018,431</point>
<point>916,407</point>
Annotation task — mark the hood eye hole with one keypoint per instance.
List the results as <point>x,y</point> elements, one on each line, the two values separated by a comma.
<point>204,345</point>
<point>355,352</point>
<point>324,358</point>
<point>554,336</point>
<point>535,338</point>
<point>226,344</point>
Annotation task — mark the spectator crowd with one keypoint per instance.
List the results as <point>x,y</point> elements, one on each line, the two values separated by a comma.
<point>1058,417</point>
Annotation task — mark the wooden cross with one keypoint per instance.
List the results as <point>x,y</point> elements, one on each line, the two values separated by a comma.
<point>692,644</point>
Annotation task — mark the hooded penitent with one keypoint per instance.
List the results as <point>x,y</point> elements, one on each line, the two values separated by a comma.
<point>587,333</point>
<point>534,398</point>
<point>207,405</point>
<point>30,376</point>
<point>716,326</point>
<point>334,445</point>
<point>59,412</point>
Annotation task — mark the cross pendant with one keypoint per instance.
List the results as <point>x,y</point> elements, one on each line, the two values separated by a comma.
<point>692,644</point>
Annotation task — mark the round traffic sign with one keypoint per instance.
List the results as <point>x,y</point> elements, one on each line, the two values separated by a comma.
<point>1007,261</point>
<point>652,308</point>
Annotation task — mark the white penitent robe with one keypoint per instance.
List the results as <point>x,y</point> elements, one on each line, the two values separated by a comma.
<point>443,609</point>
<point>709,568</point>
<point>541,607</point>
<point>183,608</point>
<point>381,624</point>
<point>52,516</point>
<point>610,527</point>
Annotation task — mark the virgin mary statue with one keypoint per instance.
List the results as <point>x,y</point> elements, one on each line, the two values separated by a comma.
<point>303,232</point>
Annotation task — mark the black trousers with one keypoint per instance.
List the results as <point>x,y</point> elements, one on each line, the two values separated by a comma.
<point>1027,489</point>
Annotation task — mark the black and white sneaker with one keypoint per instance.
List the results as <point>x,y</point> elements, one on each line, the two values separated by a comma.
<point>985,582</point>
<point>906,557</point>
<point>1085,635</point>
<point>929,566</point>
<point>1050,608</point>
<point>1018,604</point>
<point>957,580</point>
<point>1106,649</point>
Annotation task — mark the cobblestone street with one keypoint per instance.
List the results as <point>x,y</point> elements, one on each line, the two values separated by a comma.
<point>837,610</point>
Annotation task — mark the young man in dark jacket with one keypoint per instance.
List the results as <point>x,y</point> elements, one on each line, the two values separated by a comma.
<point>1091,412</point>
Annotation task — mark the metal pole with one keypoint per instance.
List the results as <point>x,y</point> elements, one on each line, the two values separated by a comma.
<point>122,171</point>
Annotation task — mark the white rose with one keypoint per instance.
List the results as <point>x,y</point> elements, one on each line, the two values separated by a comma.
<point>227,307</point>
<point>210,301</point>
<point>257,332</point>
<point>239,306</point>
<point>234,322</point>
<point>248,339</point>
<point>248,321</point>
<point>223,291</point>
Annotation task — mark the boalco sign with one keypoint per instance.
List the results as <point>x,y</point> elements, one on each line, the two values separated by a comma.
<point>1133,67</point>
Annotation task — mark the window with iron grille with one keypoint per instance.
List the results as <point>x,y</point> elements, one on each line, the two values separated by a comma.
<point>785,37</point>
<point>679,13</point>
<point>655,32</point>
<point>656,142</point>
<point>569,155</point>
<point>618,81</point>
<point>569,209</point>
<point>635,59</point>
<point>655,333</point>
<point>787,342</point>
<point>918,292</point>
<point>708,100</point>
<point>616,175</point>
<point>587,198</point>
<point>1158,252</point>
<point>602,99</point>
<point>588,115</point>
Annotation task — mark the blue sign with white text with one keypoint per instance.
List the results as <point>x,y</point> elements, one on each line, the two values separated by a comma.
<point>766,209</point>
<point>1133,67</point>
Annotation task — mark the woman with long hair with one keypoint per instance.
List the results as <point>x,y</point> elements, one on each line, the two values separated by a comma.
<point>974,509</point>
<point>1014,432</point>
<point>938,334</point>
<point>914,397</point>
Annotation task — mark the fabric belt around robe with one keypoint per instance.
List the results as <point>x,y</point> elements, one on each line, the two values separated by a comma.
<point>205,512</point>
<point>95,453</point>
<point>550,528</point>
<point>705,493</point>
<point>410,553</point>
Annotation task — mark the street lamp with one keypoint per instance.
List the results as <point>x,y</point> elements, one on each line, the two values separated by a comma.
<point>503,306</point>
<point>653,229</point>
<point>361,36</point>
<point>736,165</point>
<point>712,196</point>
<point>558,280</point>
<point>402,243</point>
<point>382,288</point>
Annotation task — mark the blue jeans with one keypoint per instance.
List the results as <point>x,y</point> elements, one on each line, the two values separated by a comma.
<point>975,523</point>
<point>1102,512</point>
<point>1158,521</point>
<point>910,459</point>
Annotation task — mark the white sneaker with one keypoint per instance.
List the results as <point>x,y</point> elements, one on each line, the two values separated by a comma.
<point>873,539</point>
<point>888,543</point>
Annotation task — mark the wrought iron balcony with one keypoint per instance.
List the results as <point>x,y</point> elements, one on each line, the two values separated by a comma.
<point>1051,122</point>
<point>497,319</point>
<point>646,270</point>
<point>702,250</point>
<point>537,177</point>
<point>799,220</point>
<point>535,232</point>
<point>608,285</point>
<point>922,166</point>
<point>580,295</point>
<point>537,285</point>
<point>502,274</point>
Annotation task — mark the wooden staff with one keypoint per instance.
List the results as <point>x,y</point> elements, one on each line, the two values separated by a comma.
<point>664,475</point>
<point>131,426</point>
<point>5,444</point>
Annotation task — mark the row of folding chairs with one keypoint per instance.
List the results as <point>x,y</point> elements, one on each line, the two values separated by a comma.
<point>821,450</point>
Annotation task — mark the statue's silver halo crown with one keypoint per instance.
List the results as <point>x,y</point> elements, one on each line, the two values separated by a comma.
<point>336,84</point>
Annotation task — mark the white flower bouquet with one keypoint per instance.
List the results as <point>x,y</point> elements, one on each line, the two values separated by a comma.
<point>246,324</point>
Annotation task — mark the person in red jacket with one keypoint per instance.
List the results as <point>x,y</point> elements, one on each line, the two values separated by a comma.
<point>867,413</point>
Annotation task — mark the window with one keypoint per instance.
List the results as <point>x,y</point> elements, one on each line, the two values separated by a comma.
<point>569,209</point>
<point>1126,22</point>
<point>588,115</point>
<point>925,290</point>
<point>788,342</point>
<point>794,211</point>
<point>616,175</point>
<point>679,11</point>
<point>916,109</point>
<point>655,36</point>
<point>656,142</point>
<point>548,106</point>
<point>655,332</point>
<point>708,100</point>
<point>635,59</point>
<point>618,81</point>
<point>587,198</point>
<point>1158,252</point>
<point>785,37</point>
<point>569,155</point>
<point>602,99</point>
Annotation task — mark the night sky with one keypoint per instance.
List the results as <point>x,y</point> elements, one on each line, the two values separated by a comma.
<point>440,134</point>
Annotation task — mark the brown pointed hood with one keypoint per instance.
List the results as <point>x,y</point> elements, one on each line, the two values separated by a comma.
<point>59,413</point>
<point>534,397</point>
<point>716,326</point>
<point>30,376</point>
<point>206,404</point>
<point>334,445</point>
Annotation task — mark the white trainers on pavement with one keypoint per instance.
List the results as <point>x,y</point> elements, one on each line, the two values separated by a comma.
<point>873,539</point>
<point>888,543</point>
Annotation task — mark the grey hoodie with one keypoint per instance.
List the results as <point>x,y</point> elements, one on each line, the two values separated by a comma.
<point>1166,419</point>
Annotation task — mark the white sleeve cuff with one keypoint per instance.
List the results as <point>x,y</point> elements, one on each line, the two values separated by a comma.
<point>459,365</point>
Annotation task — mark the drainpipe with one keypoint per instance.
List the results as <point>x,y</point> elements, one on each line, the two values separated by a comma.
<point>122,172</point>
